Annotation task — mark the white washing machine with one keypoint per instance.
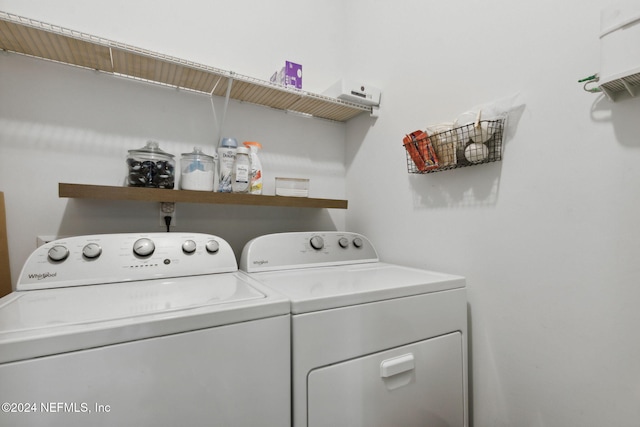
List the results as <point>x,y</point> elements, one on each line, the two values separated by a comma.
<point>373,344</point>
<point>153,329</point>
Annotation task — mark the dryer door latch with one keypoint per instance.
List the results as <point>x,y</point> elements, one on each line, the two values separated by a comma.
<point>397,365</point>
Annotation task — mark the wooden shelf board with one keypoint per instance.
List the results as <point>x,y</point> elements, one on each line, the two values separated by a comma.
<point>102,192</point>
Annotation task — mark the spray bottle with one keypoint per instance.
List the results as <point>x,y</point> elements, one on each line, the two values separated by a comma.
<point>256,167</point>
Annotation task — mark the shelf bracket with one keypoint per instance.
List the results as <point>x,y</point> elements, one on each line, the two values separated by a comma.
<point>628,87</point>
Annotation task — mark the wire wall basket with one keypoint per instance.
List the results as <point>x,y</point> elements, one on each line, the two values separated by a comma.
<point>441,148</point>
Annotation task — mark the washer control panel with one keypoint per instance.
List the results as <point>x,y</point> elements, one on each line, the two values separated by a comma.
<point>112,258</point>
<point>284,251</point>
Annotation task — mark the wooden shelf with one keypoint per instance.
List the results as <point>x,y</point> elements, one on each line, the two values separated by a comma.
<point>45,41</point>
<point>101,192</point>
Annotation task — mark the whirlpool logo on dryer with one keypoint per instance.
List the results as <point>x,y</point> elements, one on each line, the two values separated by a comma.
<point>42,276</point>
<point>260,262</point>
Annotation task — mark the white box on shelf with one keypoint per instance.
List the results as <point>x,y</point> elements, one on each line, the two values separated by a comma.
<point>292,187</point>
<point>349,90</point>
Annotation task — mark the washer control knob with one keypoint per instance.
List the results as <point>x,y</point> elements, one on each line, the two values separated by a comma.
<point>92,250</point>
<point>213,246</point>
<point>189,247</point>
<point>144,247</point>
<point>343,242</point>
<point>357,242</point>
<point>317,242</point>
<point>58,253</point>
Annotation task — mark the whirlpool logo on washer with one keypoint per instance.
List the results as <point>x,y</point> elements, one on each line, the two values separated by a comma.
<point>42,276</point>
<point>261,262</point>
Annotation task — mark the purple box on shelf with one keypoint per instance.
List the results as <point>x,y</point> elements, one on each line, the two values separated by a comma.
<point>293,75</point>
<point>290,75</point>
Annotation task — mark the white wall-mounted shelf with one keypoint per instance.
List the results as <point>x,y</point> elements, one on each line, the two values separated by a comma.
<point>629,84</point>
<point>45,41</point>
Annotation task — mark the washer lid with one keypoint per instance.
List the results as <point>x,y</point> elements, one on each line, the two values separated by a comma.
<point>323,288</point>
<point>37,323</point>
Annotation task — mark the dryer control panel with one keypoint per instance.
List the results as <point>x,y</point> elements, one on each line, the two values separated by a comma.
<point>283,251</point>
<point>112,258</point>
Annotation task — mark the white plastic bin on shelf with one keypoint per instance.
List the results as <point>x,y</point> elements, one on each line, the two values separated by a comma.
<point>620,48</point>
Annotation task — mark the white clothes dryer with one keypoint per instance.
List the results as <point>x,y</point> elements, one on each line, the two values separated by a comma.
<point>156,329</point>
<point>373,344</point>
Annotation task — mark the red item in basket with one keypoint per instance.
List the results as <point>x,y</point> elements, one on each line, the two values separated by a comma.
<point>419,147</point>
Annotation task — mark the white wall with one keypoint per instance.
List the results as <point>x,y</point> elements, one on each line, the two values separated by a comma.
<point>548,238</point>
<point>63,124</point>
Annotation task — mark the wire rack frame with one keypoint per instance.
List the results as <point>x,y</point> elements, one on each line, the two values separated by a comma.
<point>50,42</point>
<point>463,146</point>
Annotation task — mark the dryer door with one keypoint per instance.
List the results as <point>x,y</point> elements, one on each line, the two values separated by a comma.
<point>414,385</point>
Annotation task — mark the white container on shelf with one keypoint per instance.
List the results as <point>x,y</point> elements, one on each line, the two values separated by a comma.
<point>241,171</point>
<point>226,156</point>
<point>196,171</point>
<point>256,166</point>
<point>292,187</point>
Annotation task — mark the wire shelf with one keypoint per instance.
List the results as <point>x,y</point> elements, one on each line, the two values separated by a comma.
<point>469,145</point>
<point>37,39</point>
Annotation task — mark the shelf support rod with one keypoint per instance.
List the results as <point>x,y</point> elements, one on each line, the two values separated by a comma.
<point>224,110</point>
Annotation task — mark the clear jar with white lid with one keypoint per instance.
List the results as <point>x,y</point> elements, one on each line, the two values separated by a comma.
<point>197,171</point>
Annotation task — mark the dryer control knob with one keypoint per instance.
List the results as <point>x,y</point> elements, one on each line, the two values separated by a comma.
<point>213,246</point>
<point>58,253</point>
<point>357,242</point>
<point>317,242</point>
<point>343,242</point>
<point>189,246</point>
<point>144,247</point>
<point>92,250</point>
